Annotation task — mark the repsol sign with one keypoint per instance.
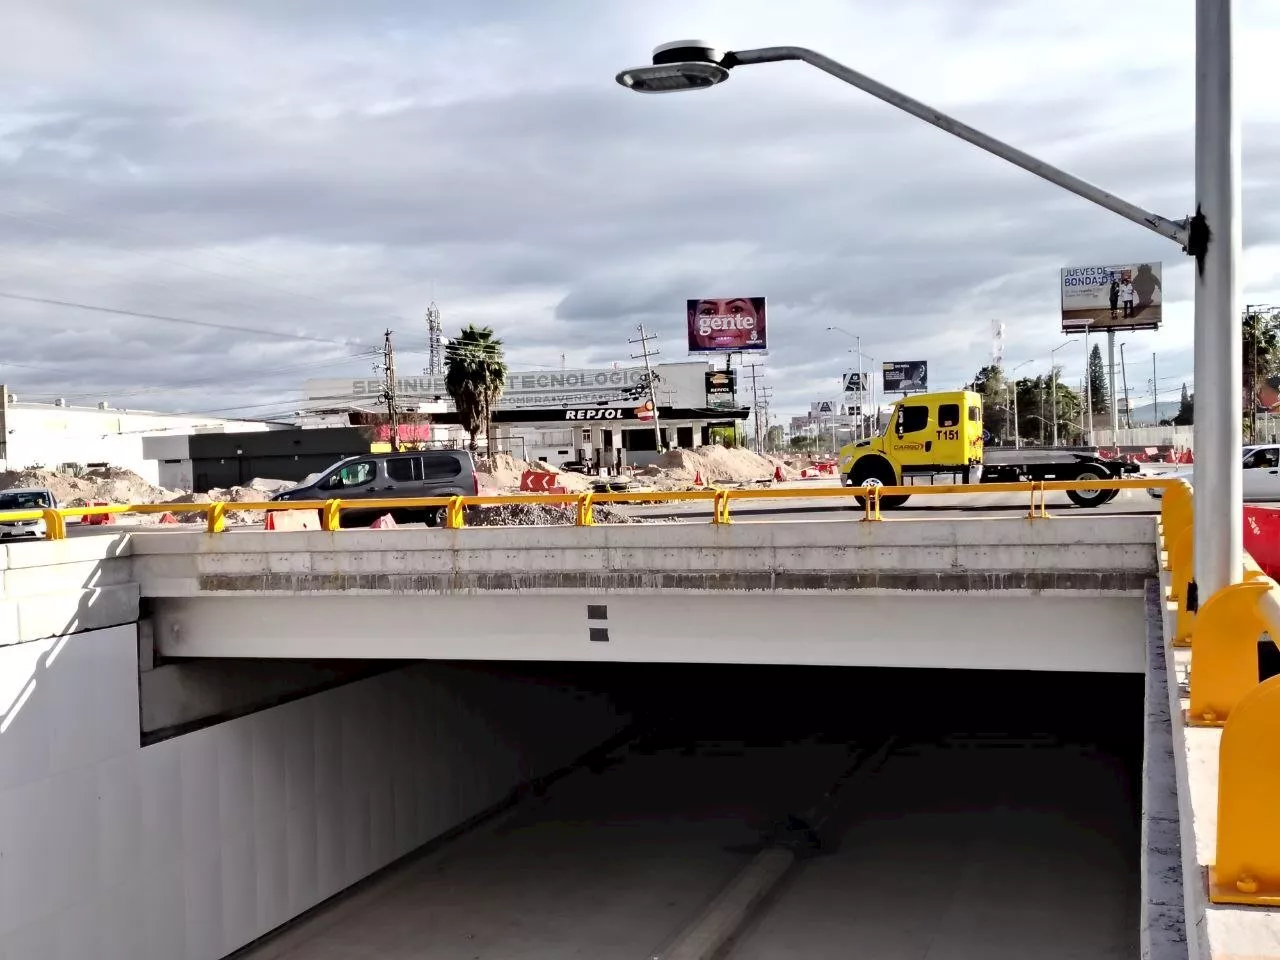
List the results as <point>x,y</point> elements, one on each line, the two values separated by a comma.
<point>601,413</point>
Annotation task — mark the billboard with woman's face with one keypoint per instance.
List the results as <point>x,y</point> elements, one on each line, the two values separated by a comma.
<point>727,326</point>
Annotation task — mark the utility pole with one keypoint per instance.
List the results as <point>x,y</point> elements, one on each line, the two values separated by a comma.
<point>645,353</point>
<point>1124,380</point>
<point>1155,394</point>
<point>389,390</point>
<point>755,404</point>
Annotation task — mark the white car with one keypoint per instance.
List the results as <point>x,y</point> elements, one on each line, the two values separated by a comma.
<point>1260,474</point>
<point>32,498</point>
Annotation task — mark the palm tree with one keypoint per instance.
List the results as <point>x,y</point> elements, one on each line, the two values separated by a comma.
<point>475,374</point>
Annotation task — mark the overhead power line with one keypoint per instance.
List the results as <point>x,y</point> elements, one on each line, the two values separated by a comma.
<point>187,321</point>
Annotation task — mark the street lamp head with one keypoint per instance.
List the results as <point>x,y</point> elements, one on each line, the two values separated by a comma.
<point>682,65</point>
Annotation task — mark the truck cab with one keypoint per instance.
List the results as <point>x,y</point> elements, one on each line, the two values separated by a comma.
<point>926,435</point>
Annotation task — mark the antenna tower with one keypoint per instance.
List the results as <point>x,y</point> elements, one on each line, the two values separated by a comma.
<point>435,338</point>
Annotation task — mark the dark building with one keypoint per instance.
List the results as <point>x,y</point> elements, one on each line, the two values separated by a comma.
<point>229,459</point>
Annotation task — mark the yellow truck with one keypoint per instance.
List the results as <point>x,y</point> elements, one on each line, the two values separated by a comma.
<point>937,438</point>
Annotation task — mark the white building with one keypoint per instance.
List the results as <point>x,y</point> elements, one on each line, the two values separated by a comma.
<point>559,415</point>
<point>50,435</point>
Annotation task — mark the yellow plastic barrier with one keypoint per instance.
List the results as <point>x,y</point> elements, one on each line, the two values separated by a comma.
<point>1248,857</point>
<point>1224,651</point>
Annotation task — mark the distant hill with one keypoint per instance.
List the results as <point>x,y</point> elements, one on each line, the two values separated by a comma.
<point>1168,409</point>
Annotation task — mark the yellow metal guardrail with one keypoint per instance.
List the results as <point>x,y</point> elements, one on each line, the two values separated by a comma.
<point>1224,691</point>
<point>869,500</point>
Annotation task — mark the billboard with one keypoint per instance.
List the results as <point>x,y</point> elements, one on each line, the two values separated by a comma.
<point>735,325</point>
<point>1124,296</point>
<point>853,382</point>
<point>906,376</point>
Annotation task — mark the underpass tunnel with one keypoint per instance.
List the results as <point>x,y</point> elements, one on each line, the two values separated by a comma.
<point>1001,818</point>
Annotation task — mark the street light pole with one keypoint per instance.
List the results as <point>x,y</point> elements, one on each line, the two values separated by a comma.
<point>1053,379</point>
<point>1212,236</point>
<point>1215,241</point>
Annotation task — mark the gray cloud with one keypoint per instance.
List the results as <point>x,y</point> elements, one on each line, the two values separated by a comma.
<point>320,172</point>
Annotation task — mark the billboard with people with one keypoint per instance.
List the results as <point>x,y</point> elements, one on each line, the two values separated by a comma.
<point>1124,296</point>
<point>906,376</point>
<point>733,325</point>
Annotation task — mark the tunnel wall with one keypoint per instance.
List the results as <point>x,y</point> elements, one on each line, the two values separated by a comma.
<point>192,847</point>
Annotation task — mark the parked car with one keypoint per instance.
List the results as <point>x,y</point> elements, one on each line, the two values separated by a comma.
<point>383,476</point>
<point>1259,474</point>
<point>30,498</point>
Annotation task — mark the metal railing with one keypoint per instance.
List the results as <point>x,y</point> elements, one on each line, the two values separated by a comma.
<point>868,499</point>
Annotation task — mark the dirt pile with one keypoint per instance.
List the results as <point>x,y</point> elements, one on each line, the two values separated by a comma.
<point>110,484</point>
<point>501,473</point>
<point>535,515</point>
<point>714,464</point>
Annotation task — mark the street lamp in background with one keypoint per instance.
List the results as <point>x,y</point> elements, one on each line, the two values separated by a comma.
<point>1212,236</point>
<point>1013,387</point>
<point>1053,385</point>
<point>857,340</point>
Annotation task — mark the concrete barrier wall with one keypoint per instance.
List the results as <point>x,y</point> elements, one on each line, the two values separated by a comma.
<point>49,589</point>
<point>1112,554</point>
<point>195,846</point>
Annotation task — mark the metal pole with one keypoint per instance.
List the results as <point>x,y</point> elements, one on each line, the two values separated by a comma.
<point>1172,230</point>
<point>1155,393</point>
<point>1017,440</point>
<point>1216,243</point>
<point>1111,392</point>
<point>1053,377</point>
<point>1124,379</point>
<point>1088,394</point>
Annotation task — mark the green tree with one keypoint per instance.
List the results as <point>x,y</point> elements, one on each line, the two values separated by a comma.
<point>1260,353</point>
<point>774,438</point>
<point>1098,393</point>
<point>991,386</point>
<point>475,375</point>
<point>1186,415</point>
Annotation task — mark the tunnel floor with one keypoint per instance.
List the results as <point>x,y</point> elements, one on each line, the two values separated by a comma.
<point>1002,822</point>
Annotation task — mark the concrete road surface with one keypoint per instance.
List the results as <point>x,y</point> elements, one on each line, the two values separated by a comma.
<point>962,845</point>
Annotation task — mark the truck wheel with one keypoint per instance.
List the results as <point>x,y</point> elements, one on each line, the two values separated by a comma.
<point>875,472</point>
<point>1089,498</point>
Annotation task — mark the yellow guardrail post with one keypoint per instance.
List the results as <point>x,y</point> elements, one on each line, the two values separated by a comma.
<point>1176,511</point>
<point>454,517</point>
<point>1247,870</point>
<point>586,516</point>
<point>720,507</point>
<point>871,503</point>
<point>55,525</point>
<point>331,515</point>
<point>216,517</point>
<point>1182,569</point>
<point>1224,652</point>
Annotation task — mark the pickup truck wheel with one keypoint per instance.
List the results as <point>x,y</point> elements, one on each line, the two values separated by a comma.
<point>1089,498</point>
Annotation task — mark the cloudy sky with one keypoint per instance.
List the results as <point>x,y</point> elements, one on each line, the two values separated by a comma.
<point>311,172</point>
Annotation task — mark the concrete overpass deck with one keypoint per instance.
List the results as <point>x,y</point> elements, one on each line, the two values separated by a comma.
<point>192,839</point>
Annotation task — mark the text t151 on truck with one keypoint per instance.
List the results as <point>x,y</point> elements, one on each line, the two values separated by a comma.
<point>937,437</point>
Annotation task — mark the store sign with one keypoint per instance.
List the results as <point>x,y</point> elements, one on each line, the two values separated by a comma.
<point>853,382</point>
<point>548,388</point>
<point>598,413</point>
<point>721,383</point>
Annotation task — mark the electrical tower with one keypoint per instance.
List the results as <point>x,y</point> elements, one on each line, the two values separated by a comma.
<point>645,353</point>
<point>435,341</point>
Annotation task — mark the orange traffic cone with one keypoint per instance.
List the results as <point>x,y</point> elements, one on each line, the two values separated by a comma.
<point>269,522</point>
<point>697,478</point>
<point>384,522</point>
<point>777,473</point>
<point>168,518</point>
